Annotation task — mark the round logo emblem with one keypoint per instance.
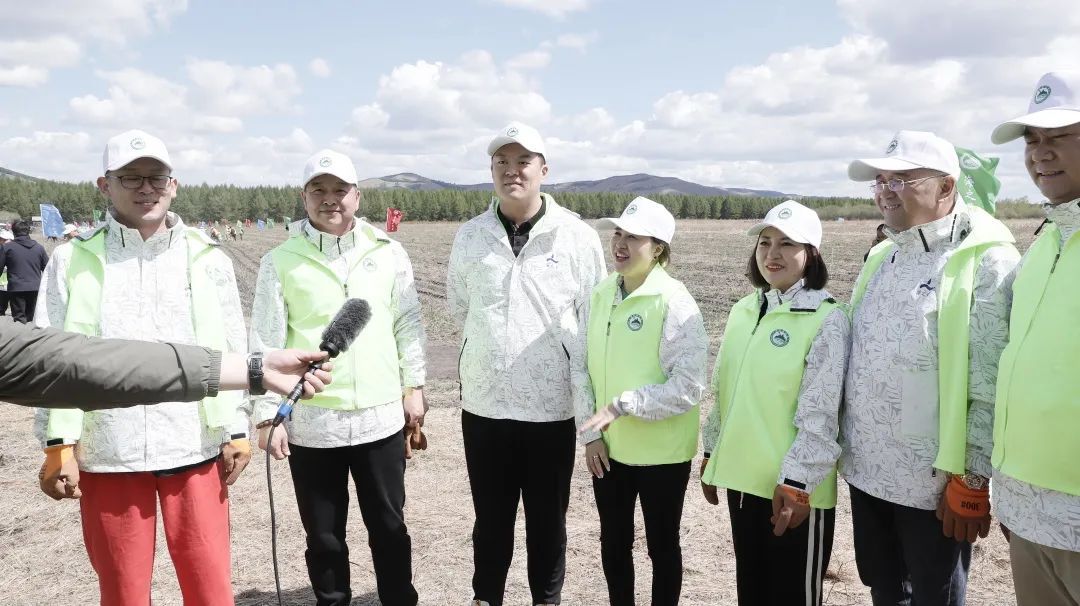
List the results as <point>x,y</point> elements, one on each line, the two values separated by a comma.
<point>892,146</point>
<point>325,162</point>
<point>784,213</point>
<point>137,143</point>
<point>369,264</point>
<point>967,161</point>
<point>779,337</point>
<point>630,209</point>
<point>512,131</point>
<point>1041,94</point>
<point>634,322</point>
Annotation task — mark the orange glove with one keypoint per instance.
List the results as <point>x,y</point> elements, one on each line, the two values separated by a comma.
<point>964,512</point>
<point>59,474</point>
<point>414,439</point>
<point>790,507</point>
<point>235,456</point>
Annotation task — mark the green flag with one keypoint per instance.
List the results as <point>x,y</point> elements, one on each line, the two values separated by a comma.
<point>99,216</point>
<point>269,223</point>
<point>977,184</point>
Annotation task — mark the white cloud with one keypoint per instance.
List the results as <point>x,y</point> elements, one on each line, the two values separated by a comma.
<point>537,59</point>
<point>551,8</point>
<point>319,67</point>
<point>23,76</point>
<point>63,156</point>
<point>233,90</point>
<point>38,39</point>
<point>576,41</point>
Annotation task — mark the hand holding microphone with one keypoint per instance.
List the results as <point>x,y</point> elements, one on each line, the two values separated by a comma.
<point>338,336</point>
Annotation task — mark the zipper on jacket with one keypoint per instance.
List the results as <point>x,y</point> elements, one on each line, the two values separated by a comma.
<point>460,386</point>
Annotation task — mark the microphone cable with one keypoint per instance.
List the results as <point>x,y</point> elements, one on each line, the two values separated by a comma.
<point>273,515</point>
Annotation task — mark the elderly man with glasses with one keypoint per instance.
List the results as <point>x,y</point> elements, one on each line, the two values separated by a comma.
<point>929,320</point>
<point>145,275</point>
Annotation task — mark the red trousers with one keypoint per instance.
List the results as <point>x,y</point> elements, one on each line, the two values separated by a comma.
<point>119,521</point>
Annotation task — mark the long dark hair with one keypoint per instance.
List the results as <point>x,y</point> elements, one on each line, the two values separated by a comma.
<point>816,275</point>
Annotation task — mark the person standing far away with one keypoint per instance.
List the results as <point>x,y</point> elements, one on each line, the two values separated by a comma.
<point>1036,483</point>
<point>929,320</point>
<point>24,260</point>
<point>5,237</point>
<point>770,438</point>
<point>144,274</point>
<point>519,276</point>
<point>363,425</point>
<point>647,351</point>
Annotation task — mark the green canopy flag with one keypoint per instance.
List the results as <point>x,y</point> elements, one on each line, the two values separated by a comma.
<point>99,216</point>
<point>269,223</point>
<point>977,184</point>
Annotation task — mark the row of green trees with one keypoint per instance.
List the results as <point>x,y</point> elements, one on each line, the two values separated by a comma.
<point>77,201</point>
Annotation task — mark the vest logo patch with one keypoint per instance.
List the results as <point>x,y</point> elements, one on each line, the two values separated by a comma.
<point>370,265</point>
<point>634,322</point>
<point>779,337</point>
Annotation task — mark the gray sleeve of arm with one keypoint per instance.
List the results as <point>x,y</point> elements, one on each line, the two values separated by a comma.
<point>815,450</point>
<point>51,368</point>
<point>989,333</point>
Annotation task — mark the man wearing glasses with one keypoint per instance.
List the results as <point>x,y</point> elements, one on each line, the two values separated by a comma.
<point>929,320</point>
<point>146,275</point>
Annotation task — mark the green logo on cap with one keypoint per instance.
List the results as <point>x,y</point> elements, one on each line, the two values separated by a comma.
<point>969,162</point>
<point>1041,94</point>
<point>784,214</point>
<point>779,337</point>
<point>634,322</point>
<point>137,143</point>
<point>511,132</point>
<point>630,209</point>
<point>892,146</point>
<point>325,162</point>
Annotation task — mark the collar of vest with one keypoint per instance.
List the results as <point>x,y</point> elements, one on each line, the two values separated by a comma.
<point>970,225</point>
<point>365,238</point>
<point>655,283</point>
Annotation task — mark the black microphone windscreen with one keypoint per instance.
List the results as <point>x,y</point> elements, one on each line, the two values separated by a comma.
<point>342,330</point>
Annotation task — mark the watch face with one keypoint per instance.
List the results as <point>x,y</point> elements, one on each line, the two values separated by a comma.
<point>974,481</point>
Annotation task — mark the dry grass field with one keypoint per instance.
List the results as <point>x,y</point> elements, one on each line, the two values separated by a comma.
<point>42,558</point>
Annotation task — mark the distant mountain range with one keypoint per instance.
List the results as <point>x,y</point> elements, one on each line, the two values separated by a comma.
<point>10,174</point>
<point>641,184</point>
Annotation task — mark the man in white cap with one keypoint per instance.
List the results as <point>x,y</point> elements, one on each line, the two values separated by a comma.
<point>518,277</point>
<point>70,231</point>
<point>146,275</point>
<point>929,314</point>
<point>1036,483</point>
<point>355,427</point>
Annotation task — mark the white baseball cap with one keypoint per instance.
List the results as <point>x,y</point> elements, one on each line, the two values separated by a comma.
<point>799,223</point>
<point>330,162</point>
<point>518,132</point>
<point>643,217</point>
<point>70,228</point>
<point>1055,103</point>
<point>128,146</point>
<point>908,150</point>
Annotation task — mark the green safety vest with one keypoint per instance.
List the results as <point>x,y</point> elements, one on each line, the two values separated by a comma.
<point>954,295</point>
<point>85,282</point>
<point>368,373</point>
<point>757,387</point>
<point>624,354</point>
<point>1037,415</point>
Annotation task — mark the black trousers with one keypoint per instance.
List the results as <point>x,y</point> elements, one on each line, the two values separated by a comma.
<point>903,557</point>
<point>321,478</point>
<point>3,302</point>
<point>662,489</point>
<point>778,571</point>
<point>510,460</point>
<point>22,305</point>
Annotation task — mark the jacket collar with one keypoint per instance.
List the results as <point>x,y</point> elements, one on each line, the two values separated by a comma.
<point>362,235</point>
<point>554,216</point>
<point>798,295</point>
<point>1067,218</point>
<point>125,237</point>
<point>935,236</point>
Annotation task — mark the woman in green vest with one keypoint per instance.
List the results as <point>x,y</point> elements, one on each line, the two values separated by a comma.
<point>770,438</point>
<point>646,357</point>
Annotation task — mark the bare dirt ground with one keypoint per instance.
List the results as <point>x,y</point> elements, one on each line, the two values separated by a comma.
<point>42,559</point>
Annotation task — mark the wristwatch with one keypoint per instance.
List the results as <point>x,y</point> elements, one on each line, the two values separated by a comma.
<point>255,374</point>
<point>974,481</point>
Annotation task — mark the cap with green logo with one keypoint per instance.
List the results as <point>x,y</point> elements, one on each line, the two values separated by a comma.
<point>1054,103</point>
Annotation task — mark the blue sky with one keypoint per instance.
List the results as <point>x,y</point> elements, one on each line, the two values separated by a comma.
<point>777,95</point>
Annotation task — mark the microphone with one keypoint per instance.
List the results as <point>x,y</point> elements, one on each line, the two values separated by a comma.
<point>336,339</point>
